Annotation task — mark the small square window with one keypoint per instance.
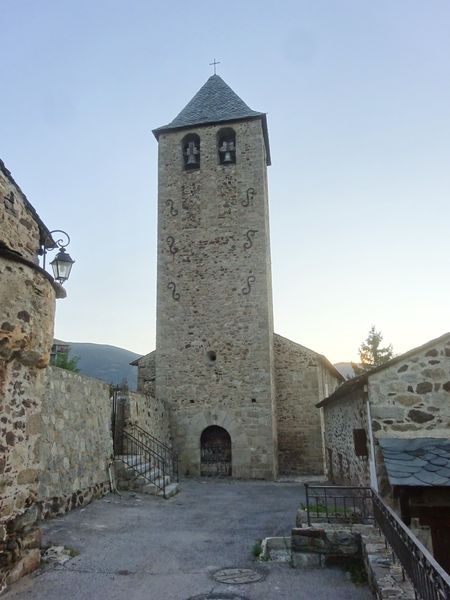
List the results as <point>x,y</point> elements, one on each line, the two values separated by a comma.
<point>360,442</point>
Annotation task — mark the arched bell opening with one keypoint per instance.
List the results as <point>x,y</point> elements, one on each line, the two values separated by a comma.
<point>215,452</point>
<point>226,145</point>
<point>191,151</point>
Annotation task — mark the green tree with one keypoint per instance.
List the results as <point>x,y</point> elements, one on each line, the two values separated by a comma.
<point>371,353</point>
<point>63,361</point>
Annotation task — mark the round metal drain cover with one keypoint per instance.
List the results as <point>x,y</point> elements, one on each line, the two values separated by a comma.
<point>237,576</point>
<point>217,597</point>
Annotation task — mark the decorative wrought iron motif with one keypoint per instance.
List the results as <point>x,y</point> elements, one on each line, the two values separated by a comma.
<point>172,286</point>
<point>251,193</point>
<point>171,242</point>
<point>250,234</point>
<point>173,211</point>
<point>248,288</point>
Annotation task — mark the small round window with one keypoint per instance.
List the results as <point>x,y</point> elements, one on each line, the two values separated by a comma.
<point>211,357</point>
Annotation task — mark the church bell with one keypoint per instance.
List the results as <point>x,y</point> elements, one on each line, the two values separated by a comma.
<point>226,151</point>
<point>192,153</point>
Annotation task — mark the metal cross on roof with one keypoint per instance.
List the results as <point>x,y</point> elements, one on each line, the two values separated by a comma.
<point>214,63</point>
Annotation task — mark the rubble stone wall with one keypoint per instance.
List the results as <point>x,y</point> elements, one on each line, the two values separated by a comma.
<point>214,364</point>
<point>341,418</point>
<point>27,305</point>
<point>413,395</point>
<point>18,226</point>
<point>146,373</point>
<point>150,413</point>
<point>411,399</point>
<point>301,380</point>
<point>75,445</point>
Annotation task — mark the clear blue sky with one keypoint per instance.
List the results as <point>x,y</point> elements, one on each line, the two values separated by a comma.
<point>358,100</point>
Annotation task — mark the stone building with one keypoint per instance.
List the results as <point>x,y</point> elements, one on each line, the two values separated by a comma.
<point>55,437</point>
<point>27,305</point>
<point>241,399</point>
<point>390,428</point>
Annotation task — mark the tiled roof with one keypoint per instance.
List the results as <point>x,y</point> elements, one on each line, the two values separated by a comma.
<point>417,462</point>
<point>215,102</point>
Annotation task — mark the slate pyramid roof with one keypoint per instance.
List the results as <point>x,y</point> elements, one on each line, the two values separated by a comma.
<point>215,102</point>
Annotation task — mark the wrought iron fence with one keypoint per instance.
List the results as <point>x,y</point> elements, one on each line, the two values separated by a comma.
<point>344,504</point>
<point>144,461</point>
<point>338,504</point>
<point>160,448</point>
<point>149,457</point>
<point>429,579</point>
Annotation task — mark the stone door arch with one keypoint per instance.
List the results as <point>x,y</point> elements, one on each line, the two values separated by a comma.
<point>215,452</point>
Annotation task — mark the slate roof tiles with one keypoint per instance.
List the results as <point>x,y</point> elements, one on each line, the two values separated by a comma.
<point>215,102</point>
<point>417,462</point>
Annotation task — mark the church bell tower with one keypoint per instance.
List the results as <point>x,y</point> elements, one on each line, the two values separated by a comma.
<point>214,341</point>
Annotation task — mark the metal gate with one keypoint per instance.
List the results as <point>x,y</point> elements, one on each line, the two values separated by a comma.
<point>117,419</point>
<point>215,452</point>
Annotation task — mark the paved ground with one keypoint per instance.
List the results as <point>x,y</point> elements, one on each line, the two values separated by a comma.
<point>141,547</point>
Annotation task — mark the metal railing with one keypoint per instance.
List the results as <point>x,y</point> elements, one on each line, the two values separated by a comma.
<point>144,461</point>
<point>338,504</point>
<point>429,579</point>
<point>349,504</point>
<point>158,447</point>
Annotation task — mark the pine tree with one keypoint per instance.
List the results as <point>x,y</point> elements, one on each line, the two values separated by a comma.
<point>371,353</point>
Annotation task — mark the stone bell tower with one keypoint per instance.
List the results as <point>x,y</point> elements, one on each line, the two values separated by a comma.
<point>214,345</point>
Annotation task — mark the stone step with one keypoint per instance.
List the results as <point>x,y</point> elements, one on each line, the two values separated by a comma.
<point>171,490</point>
<point>140,482</point>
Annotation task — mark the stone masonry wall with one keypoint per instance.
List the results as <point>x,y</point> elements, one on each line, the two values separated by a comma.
<point>214,362</point>
<point>413,395</point>
<point>301,381</point>
<point>150,413</point>
<point>341,418</point>
<point>18,227</point>
<point>146,372</point>
<point>75,445</point>
<point>27,304</point>
<point>411,399</point>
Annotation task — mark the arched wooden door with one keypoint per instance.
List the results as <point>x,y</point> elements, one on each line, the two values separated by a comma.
<point>215,452</point>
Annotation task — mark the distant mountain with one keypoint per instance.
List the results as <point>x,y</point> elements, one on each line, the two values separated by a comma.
<point>108,363</point>
<point>112,364</point>
<point>345,369</point>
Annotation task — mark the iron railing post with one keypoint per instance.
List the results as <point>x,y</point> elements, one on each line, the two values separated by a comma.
<point>307,504</point>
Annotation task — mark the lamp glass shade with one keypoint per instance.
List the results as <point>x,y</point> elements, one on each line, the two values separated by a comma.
<point>62,265</point>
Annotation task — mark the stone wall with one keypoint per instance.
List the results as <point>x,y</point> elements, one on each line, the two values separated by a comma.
<point>341,418</point>
<point>150,413</point>
<point>411,398</point>
<point>301,380</point>
<point>146,373</point>
<point>27,304</point>
<point>20,230</point>
<point>75,446</point>
<point>59,446</point>
<point>214,363</point>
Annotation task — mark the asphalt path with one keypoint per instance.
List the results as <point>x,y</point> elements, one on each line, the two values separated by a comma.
<point>137,547</point>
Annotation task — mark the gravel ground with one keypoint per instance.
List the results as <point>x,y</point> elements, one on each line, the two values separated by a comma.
<point>143,547</point>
